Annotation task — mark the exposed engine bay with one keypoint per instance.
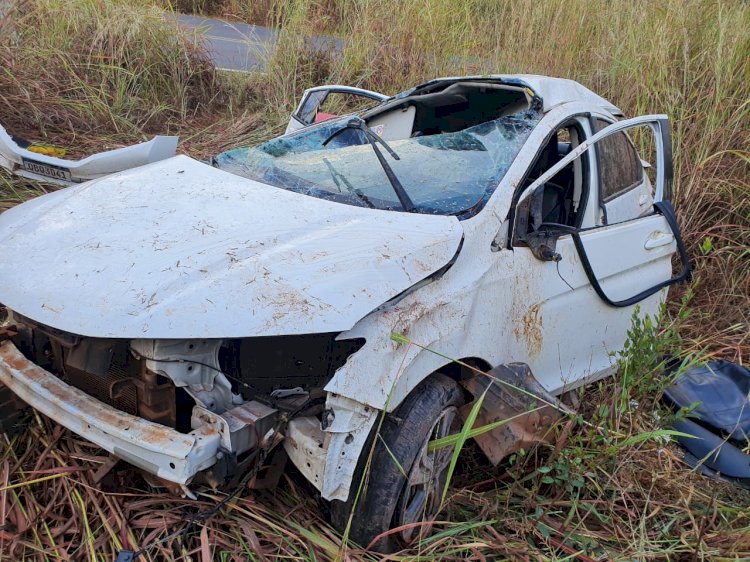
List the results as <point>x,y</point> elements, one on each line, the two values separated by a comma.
<point>245,387</point>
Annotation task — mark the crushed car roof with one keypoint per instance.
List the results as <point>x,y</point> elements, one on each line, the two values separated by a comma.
<point>553,91</point>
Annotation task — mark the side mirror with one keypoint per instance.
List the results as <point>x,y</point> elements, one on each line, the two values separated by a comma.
<point>542,237</point>
<point>543,243</point>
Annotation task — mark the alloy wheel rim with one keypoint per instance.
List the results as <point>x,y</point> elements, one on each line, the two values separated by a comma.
<point>420,499</point>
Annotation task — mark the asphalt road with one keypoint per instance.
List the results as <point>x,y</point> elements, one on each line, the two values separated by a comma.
<point>234,46</point>
<point>231,46</point>
<point>243,47</point>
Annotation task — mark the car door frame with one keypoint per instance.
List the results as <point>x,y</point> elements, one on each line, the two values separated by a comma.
<point>297,121</point>
<point>659,124</point>
<point>603,205</point>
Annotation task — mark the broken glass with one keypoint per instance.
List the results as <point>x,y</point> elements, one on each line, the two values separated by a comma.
<point>446,174</point>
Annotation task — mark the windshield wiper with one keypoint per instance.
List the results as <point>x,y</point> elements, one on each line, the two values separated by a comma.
<point>338,179</point>
<point>373,138</point>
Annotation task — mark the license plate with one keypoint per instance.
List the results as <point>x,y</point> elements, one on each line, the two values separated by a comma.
<point>55,172</point>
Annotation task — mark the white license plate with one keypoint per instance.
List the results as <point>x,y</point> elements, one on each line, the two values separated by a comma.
<point>48,170</point>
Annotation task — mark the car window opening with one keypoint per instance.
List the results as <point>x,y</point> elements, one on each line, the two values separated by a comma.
<point>562,200</point>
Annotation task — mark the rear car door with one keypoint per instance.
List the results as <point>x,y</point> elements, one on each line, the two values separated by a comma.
<point>585,281</point>
<point>320,103</point>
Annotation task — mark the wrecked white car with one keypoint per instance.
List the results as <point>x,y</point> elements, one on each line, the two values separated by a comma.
<point>194,319</point>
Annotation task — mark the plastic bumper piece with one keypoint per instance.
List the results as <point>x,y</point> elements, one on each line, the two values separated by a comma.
<point>155,448</point>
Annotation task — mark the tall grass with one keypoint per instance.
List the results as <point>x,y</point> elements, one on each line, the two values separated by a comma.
<point>82,67</point>
<point>105,72</point>
<point>688,59</point>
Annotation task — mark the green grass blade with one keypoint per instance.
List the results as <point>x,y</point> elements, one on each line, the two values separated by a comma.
<point>461,439</point>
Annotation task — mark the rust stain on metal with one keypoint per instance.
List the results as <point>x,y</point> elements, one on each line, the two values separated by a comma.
<point>530,329</point>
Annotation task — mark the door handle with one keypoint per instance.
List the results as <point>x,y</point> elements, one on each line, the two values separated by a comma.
<point>657,239</point>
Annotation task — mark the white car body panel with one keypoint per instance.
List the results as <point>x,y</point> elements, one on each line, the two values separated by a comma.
<point>504,306</point>
<point>95,166</point>
<point>451,314</point>
<point>559,91</point>
<point>179,249</point>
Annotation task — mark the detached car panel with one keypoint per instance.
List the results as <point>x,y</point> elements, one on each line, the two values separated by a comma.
<point>33,165</point>
<point>506,221</point>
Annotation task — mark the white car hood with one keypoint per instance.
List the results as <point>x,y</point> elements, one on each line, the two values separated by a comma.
<point>178,249</point>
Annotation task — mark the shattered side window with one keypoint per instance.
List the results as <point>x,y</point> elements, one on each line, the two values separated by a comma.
<point>444,174</point>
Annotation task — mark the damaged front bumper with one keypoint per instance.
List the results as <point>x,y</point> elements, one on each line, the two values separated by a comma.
<point>155,448</point>
<point>33,165</point>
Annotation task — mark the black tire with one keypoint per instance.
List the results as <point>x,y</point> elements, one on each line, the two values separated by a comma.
<point>388,497</point>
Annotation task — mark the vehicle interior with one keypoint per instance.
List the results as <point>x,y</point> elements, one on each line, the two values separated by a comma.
<point>456,107</point>
<point>562,196</point>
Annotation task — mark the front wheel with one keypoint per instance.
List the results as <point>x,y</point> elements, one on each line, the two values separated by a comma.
<point>405,481</point>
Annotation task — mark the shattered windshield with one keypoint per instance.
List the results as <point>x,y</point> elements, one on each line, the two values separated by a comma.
<point>445,174</point>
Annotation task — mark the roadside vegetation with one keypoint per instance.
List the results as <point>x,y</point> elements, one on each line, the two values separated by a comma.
<point>88,75</point>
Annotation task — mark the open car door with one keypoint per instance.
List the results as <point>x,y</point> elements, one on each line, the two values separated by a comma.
<point>588,281</point>
<point>29,164</point>
<point>660,222</point>
<point>347,99</point>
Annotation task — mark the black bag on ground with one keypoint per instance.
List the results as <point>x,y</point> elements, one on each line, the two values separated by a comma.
<point>720,423</point>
